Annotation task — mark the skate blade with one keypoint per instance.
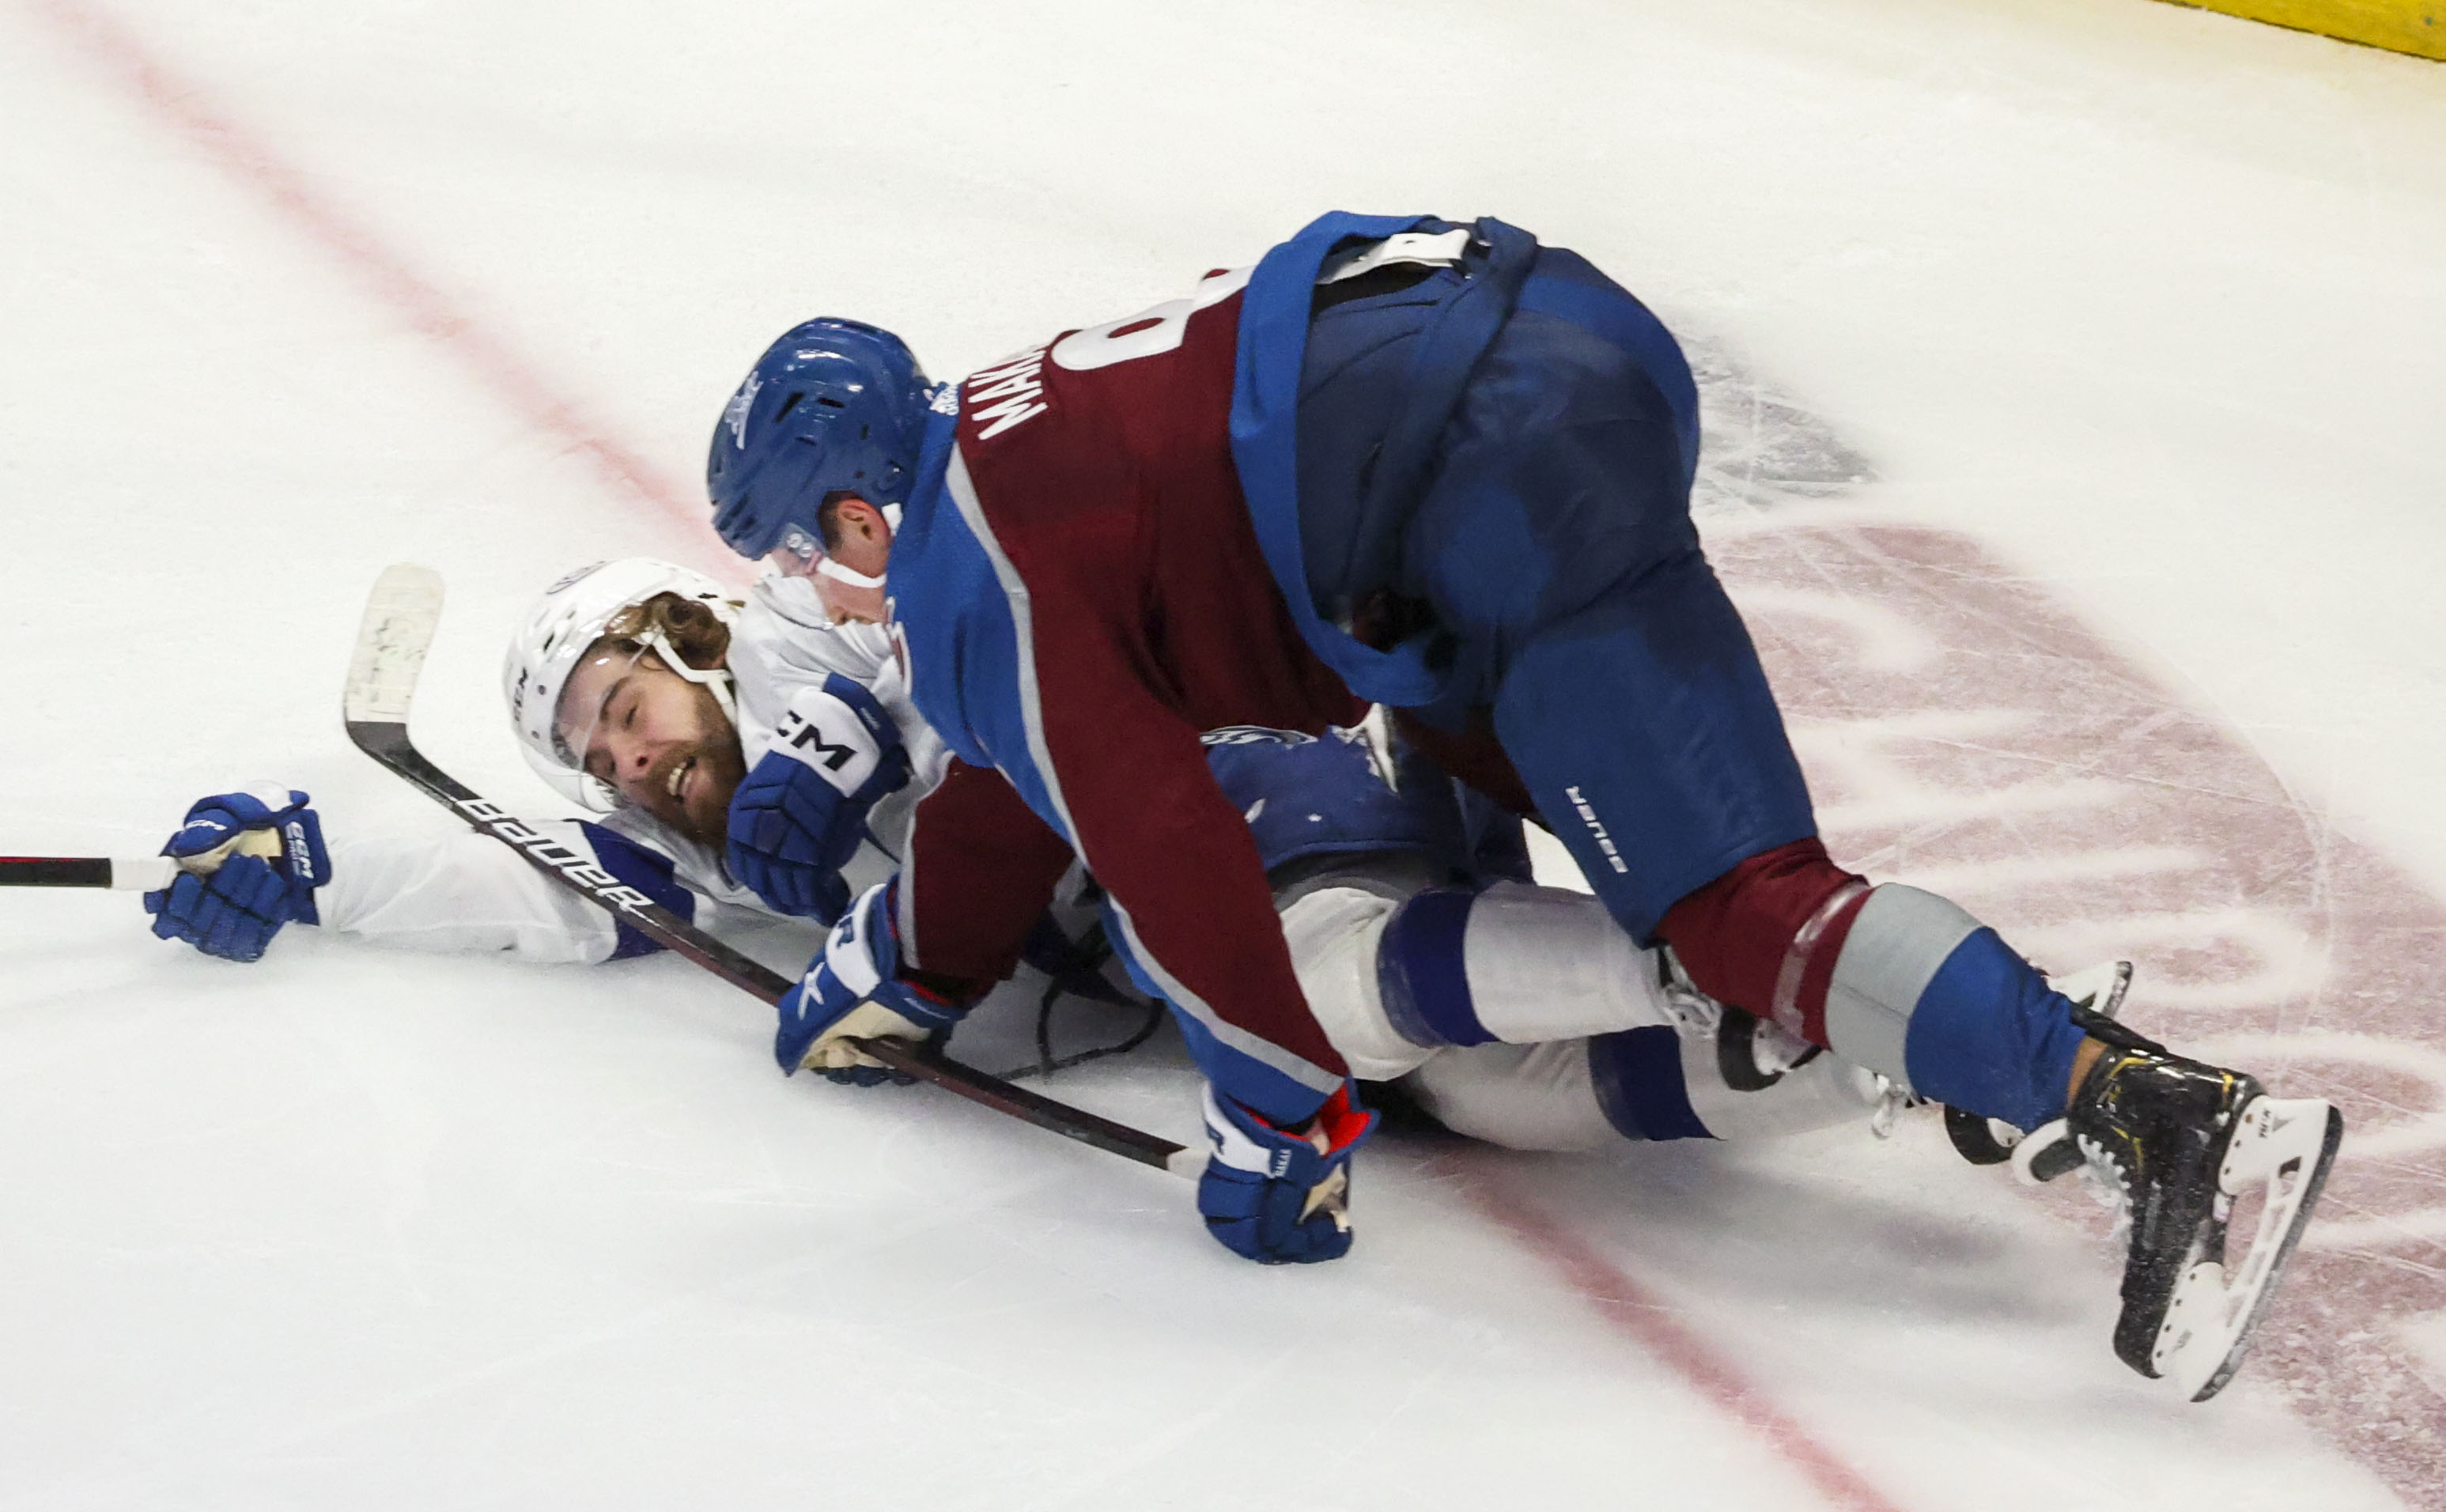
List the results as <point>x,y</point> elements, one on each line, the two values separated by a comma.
<point>2285,1146</point>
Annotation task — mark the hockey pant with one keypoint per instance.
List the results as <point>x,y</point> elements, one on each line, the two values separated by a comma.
<point>1523,1016</point>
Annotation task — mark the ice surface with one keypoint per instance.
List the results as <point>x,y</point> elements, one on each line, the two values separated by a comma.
<point>2147,302</point>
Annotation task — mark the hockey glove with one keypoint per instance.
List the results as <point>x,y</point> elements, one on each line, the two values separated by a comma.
<point>1280,1196</point>
<point>248,862</point>
<point>853,991</point>
<point>797,819</point>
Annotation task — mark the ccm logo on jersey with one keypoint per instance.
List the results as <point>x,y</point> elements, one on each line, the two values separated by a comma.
<point>598,884</point>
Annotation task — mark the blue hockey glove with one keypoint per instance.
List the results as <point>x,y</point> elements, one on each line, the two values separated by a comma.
<point>797,819</point>
<point>249,863</point>
<point>853,991</point>
<point>1278,1196</point>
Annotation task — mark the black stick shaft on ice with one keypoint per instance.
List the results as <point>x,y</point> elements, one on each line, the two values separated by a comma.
<point>399,620</point>
<point>125,872</point>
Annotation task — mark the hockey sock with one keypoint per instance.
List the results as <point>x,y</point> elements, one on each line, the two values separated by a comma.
<point>1639,1084</point>
<point>1892,978</point>
<point>1516,963</point>
<point>1990,1036</point>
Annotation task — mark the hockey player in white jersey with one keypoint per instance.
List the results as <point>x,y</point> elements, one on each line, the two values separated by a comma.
<point>694,693</point>
<point>757,756</point>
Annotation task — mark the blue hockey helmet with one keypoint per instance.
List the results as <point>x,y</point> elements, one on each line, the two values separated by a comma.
<point>835,406</point>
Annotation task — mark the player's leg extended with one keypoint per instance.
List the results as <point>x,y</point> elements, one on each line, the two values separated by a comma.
<point>1891,977</point>
<point>1639,1085</point>
<point>1549,1031</point>
<point>1556,550</point>
<point>1396,970</point>
<point>1643,727</point>
<point>1397,967</point>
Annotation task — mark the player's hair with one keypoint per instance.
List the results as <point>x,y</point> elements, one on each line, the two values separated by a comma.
<point>689,625</point>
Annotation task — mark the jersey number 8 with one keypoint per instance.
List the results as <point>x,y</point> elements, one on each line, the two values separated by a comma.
<point>1149,332</point>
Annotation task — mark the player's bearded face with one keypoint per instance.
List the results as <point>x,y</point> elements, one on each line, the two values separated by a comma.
<point>658,738</point>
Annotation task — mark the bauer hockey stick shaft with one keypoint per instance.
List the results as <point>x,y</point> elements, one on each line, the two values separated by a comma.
<point>401,618</point>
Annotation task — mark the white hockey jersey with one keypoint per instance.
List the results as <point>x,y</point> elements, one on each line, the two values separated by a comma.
<point>465,892</point>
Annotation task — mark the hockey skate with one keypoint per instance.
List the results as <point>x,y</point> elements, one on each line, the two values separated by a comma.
<point>2174,1143</point>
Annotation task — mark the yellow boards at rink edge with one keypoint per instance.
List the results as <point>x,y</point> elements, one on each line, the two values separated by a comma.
<point>2417,26</point>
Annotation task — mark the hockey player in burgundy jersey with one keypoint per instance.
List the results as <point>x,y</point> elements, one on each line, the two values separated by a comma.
<point>1445,469</point>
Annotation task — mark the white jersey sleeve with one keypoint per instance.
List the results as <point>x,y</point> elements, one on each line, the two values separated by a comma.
<point>461,892</point>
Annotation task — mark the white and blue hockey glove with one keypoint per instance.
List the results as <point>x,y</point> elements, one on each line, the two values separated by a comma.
<point>1282,1196</point>
<point>798,818</point>
<point>853,991</point>
<point>248,862</point>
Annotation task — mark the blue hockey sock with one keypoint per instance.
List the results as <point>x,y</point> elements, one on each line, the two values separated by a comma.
<point>1990,1037</point>
<point>1637,1075</point>
<point>1423,970</point>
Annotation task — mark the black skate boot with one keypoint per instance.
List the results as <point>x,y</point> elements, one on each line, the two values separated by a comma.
<point>2178,1142</point>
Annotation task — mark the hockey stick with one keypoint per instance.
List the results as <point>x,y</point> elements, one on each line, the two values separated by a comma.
<point>126,874</point>
<point>401,618</point>
<point>131,874</point>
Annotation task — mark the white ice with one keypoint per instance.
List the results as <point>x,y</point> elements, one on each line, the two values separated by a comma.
<point>2150,300</point>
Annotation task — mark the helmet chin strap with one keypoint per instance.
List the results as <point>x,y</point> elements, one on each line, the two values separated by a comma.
<point>715,680</point>
<point>831,566</point>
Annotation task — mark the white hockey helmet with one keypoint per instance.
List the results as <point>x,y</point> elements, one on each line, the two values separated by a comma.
<point>553,637</point>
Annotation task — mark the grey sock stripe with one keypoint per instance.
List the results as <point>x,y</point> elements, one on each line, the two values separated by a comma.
<point>1796,960</point>
<point>1898,940</point>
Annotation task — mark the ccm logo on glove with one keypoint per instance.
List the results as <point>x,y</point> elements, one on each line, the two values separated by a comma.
<point>840,731</point>
<point>800,815</point>
<point>248,862</point>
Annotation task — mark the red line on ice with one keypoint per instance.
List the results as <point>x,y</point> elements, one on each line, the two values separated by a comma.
<point>1639,1312</point>
<point>188,108</point>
